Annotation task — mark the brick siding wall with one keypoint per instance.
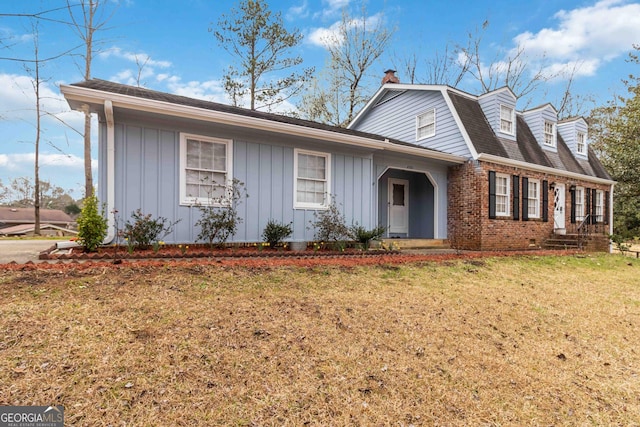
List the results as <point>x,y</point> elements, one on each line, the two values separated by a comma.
<point>469,225</point>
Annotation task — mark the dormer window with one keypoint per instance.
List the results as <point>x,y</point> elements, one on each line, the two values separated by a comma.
<point>507,118</point>
<point>581,146</point>
<point>426,124</point>
<point>549,134</point>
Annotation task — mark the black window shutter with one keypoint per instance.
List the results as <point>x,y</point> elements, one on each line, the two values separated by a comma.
<point>594,201</point>
<point>492,194</point>
<point>573,205</point>
<point>516,197</point>
<point>545,201</point>
<point>525,199</point>
<point>606,207</point>
<point>587,205</point>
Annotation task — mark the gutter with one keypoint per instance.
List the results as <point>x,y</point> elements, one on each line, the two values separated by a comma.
<point>84,95</point>
<point>544,169</point>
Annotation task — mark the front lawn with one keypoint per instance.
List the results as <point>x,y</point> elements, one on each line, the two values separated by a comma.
<point>527,340</point>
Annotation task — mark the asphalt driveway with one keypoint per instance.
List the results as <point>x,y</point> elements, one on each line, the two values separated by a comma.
<point>22,251</point>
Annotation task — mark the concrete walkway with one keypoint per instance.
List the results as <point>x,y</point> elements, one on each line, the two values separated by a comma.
<point>22,251</point>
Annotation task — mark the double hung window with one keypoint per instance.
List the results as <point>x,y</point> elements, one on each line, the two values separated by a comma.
<point>205,169</point>
<point>549,134</point>
<point>502,195</point>
<point>507,119</point>
<point>426,124</point>
<point>312,178</point>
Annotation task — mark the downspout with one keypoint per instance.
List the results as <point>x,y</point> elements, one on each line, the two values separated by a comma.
<point>111,229</point>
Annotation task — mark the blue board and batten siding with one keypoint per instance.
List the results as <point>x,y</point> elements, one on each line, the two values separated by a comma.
<point>147,173</point>
<point>428,209</point>
<point>396,118</point>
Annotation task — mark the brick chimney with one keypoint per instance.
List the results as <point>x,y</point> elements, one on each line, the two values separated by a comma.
<point>390,77</point>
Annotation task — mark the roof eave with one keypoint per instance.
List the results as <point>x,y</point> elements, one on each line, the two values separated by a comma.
<point>76,95</point>
<point>545,169</point>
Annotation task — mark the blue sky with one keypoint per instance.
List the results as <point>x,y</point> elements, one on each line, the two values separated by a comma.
<point>181,56</point>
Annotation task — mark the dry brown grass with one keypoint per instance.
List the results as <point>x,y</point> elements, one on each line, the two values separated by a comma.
<point>500,341</point>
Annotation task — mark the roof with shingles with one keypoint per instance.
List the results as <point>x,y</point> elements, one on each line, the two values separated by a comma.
<point>525,148</point>
<point>9,215</point>
<point>139,92</point>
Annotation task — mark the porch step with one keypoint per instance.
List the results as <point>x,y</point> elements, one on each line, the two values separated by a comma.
<point>592,243</point>
<point>561,243</point>
<point>417,243</point>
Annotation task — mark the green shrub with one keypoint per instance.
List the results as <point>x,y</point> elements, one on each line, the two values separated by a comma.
<point>144,231</point>
<point>218,223</point>
<point>330,226</point>
<point>92,225</point>
<point>364,236</point>
<point>274,232</point>
<point>620,243</point>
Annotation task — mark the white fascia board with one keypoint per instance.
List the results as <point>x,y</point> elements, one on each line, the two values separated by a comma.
<point>500,89</point>
<point>544,169</point>
<point>540,108</point>
<point>85,95</point>
<point>399,86</point>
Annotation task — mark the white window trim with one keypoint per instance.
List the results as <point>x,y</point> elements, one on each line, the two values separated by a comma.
<point>583,144</point>
<point>513,120</point>
<point>507,195</point>
<point>553,133</point>
<point>580,203</point>
<point>418,138</point>
<point>599,213</point>
<point>536,200</point>
<point>187,200</point>
<point>301,205</point>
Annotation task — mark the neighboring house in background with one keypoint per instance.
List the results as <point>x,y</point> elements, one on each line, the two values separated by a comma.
<point>426,162</point>
<point>527,175</point>
<point>21,222</point>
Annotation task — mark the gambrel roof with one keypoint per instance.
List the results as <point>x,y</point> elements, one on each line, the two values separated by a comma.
<point>526,149</point>
<point>482,141</point>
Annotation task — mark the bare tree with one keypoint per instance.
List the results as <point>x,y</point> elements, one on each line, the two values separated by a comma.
<point>34,70</point>
<point>5,193</point>
<point>93,17</point>
<point>571,104</point>
<point>443,68</point>
<point>353,49</point>
<point>259,42</point>
<point>509,68</point>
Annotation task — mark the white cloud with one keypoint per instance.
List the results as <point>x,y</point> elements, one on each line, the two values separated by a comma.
<point>331,8</point>
<point>23,161</point>
<point>298,12</point>
<point>145,66</point>
<point>211,90</point>
<point>592,35</point>
<point>327,36</point>
<point>18,101</point>
<point>140,58</point>
<point>324,36</point>
<point>66,171</point>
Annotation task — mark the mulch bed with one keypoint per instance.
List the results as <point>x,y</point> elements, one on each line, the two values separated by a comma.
<point>249,257</point>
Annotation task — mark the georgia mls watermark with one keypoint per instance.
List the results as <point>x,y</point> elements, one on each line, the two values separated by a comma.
<point>31,416</point>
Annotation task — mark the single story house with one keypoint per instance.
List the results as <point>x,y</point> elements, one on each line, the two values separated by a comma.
<point>21,222</point>
<point>162,153</point>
